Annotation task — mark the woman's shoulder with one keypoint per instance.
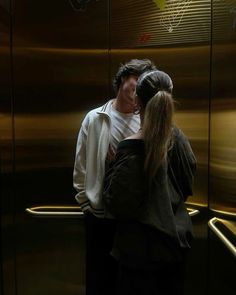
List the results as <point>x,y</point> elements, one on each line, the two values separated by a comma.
<point>179,139</point>
<point>181,147</point>
<point>178,134</point>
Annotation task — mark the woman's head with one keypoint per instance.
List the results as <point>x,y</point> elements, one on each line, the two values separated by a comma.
<point>154,91</point>
<point>151,83</point>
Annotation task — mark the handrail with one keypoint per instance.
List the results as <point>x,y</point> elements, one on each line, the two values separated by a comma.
<point>59,211</point>
<point>192,212</point>
<point>221,236</point>
<point>64,211</point>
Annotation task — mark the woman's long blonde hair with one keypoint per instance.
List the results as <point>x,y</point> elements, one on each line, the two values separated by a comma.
<point>154,91</point>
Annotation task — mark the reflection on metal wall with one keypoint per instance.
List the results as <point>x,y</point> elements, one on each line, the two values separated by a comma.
<point>60,60</point>
<point>223,111</point>
<point>222,185</point>
<point>56,82</point>
<point>143,23</point>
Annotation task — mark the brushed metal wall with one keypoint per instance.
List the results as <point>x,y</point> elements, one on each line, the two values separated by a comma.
<point>223,108</point>
<point>222,176</point>
<point>58,59</point>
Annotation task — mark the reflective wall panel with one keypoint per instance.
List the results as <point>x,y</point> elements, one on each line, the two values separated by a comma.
<point>159,23</point>
<point>60,61</point>
<point>223,108</point>
<point>222,190</point>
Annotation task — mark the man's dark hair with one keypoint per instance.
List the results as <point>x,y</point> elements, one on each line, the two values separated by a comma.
<point>133,67</point>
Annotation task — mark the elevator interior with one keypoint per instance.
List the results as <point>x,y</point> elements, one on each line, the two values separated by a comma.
<point>57,61</point>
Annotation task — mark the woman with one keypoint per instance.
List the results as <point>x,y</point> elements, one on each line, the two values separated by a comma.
<point>145,191</point>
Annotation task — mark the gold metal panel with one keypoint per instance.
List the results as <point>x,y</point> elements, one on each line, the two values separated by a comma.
<point>223,109</point>
<point>61,70</point>
<point>143,23</point>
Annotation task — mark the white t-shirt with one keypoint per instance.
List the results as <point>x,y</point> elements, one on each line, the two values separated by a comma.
<point>122,126</point>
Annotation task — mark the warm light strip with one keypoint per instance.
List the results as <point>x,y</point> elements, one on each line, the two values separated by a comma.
<point>220,235</point>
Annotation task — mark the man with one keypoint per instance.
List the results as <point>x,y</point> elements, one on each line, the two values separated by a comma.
<point>101,131</point>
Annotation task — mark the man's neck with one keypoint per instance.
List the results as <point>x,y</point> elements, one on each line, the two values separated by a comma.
<point>121,107</point>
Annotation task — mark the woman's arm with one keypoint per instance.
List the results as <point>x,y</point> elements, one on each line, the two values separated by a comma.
<point>124,189</point>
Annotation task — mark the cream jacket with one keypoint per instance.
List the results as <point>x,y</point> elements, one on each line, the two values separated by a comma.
<point>91,151</point>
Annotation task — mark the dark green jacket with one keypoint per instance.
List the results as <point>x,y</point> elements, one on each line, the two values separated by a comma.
<point>153,223</point>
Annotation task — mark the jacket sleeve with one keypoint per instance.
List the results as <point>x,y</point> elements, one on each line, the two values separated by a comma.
<point>182,166</point>
<point>124,187</point>
<point>79,173</point>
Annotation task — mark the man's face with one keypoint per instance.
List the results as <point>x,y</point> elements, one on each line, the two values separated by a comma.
<point>127,92</point>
